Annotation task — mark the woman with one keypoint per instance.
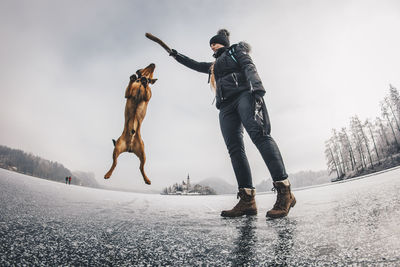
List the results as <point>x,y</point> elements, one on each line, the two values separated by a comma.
<point>239,97</point>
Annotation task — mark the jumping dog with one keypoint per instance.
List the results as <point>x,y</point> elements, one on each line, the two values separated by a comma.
<point>137,94</point>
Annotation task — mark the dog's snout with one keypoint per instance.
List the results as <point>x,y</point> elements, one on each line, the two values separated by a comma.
<point>152,66</point>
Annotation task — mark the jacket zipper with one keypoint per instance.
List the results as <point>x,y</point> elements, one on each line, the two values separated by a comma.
<point>235,79</point>
<point>222,95</point>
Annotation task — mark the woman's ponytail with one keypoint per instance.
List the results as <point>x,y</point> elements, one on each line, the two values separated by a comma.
<point>213,85</point>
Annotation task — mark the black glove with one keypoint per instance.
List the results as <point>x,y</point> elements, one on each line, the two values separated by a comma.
<point>259,93</point>
<point>173,53</point>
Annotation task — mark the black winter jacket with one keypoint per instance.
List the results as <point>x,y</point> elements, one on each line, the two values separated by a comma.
<point>234,72</point>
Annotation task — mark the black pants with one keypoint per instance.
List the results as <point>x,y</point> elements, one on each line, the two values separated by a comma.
<point>249,110</point>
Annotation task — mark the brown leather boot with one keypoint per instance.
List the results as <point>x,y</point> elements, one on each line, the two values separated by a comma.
<point>246,205</point>
<point>284,201</point>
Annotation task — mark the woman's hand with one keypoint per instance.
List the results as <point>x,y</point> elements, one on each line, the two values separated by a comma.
<point>173,53</point>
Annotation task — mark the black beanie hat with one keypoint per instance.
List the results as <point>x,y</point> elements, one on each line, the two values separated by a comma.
<point>222,37</point>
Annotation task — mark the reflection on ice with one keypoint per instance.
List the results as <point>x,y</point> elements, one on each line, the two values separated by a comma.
<point>284,241</point>
<point>244,246</point>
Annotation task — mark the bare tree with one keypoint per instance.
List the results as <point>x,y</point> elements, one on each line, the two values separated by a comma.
<point>395,99</point>
<point>385,114</point>
<point>370,126</point>
<point>347,149</point>
<point>358,140</point>
<point>347,142</point>
<point>364,137</point>
<point>331,161</point>
<point>389,105</point>
<point>383,136</point>
<point>339,150</point>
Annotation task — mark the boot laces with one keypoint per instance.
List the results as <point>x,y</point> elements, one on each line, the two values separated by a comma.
<point>279,199</point>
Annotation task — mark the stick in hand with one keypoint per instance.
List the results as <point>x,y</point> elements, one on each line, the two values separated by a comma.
<point>157,40</point>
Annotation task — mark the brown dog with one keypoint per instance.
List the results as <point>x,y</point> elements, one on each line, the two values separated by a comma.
<point>137,96</point>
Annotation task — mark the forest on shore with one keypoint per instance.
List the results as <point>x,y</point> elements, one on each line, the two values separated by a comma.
<point>27,163</point>
<point>366,146</point>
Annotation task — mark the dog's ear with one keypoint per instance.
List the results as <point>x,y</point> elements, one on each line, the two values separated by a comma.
<point>139,73</point>
<point>128,92</point>
<point>152,81</point>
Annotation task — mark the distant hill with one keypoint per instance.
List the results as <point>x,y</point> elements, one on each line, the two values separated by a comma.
<point>308,178</point>
<point>264,186</point>
<point>27,163</point>
<point>219,185</point>
<point>298,179</point>
<point>86,178</point>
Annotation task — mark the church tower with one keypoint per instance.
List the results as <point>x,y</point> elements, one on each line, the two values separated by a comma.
<point>188,182</point>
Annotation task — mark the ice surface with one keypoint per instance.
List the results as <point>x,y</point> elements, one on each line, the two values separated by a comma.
<point>48,223</point>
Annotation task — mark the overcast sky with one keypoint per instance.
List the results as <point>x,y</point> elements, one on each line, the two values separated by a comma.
<point>64,66</point>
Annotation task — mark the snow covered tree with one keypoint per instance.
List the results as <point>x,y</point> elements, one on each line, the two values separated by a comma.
<point>385,114</point>
<point>331,159</point>
<point>389,106</point>
<point>360,129</point>
<point>371,132</point>
<point>394,97</point>
<point>338,148</point>
<point>358,141</point>
<point>386,146</point>
<point>347,144</point>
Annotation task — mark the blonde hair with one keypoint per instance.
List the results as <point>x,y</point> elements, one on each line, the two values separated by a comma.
<point>213,85</point>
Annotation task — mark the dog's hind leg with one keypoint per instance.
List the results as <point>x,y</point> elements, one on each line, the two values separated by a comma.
<point>138,149</point>
<point>119,148</point>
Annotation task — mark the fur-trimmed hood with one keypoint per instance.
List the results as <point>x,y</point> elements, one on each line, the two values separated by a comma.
<point>242,46</point>
<point>245,46</point>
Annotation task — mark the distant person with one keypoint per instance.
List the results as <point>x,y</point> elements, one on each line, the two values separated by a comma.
<point>239,97</point>
<point>69,180</point>
<point>66,179</point>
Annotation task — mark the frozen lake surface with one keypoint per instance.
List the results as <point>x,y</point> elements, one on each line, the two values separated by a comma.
<point>42,222</point>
